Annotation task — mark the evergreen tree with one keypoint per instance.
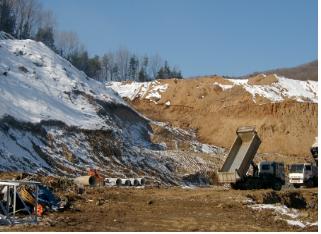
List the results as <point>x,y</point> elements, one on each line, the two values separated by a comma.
<point>80,60</point>
<point>93,67</point>
<point>46,36</point>
<point>133,68</point>
<point>142,75</point>
<point>7,17</point>
<point>165,72</point>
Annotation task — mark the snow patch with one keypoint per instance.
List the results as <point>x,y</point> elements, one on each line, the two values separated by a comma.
<point>298,90</point>
<point>145,90</point>
<point>296,223</point>
<point>224,87</point>
<point>280,209</point>
<point>290,215</point>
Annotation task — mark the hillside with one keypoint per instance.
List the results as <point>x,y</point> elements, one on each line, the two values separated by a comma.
<point>55,120</point>
<point>283,110</point>
<point>308,71</point>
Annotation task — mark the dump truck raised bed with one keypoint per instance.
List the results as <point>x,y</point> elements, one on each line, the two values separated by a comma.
<point>239,160</point>
<point>240,156</point>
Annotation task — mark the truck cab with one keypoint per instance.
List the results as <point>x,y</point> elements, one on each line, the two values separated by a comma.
<point>303,174</point>
<point>272,169</point>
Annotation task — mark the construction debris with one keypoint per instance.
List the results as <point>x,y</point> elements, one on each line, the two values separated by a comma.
<point>22,201</point>
<point>14,199</point>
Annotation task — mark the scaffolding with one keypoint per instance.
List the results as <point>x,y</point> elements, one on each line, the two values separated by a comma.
<point>8,202</point>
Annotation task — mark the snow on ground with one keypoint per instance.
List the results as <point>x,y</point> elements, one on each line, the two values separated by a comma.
<point>280,209</point>
<point>36,84</point>
<point>207,149</point>
<point>129,90</point>
<point>224,87</point>
<point>146,90</point>
<point>290,215</point>
<point>298,90</point>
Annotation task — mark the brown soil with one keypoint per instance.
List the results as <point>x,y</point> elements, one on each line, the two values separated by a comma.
<point>287,128</point>
<point>167,209</point>
<point>262,80</point>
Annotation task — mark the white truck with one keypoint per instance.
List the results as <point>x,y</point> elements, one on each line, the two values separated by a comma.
<point>303,174</point>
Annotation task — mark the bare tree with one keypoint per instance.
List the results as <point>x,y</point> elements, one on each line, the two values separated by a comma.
<point>108,71</point>
<point>155,64</point>
<point>122,60</point>
<point>67,43</point>
<point>47,19</point>
<point>28,17</point>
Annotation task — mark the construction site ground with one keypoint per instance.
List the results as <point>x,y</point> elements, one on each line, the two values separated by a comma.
<point>176,209</point>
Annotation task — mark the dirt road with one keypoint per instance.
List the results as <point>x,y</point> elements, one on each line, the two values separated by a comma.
<point>179,209</point>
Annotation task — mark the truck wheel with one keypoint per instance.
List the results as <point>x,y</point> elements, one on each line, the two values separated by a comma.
<point>309,183</point>
<point>277,186</point>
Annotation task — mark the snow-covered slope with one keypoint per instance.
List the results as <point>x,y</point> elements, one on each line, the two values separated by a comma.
<point>36,84</point>
<point>55,119</point>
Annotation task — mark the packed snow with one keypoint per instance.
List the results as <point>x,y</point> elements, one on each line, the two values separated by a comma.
<point>280,209</point>
<point>224,87</point>
<point>145,90</point>
<point>284,88</point>
<point>36,84</point>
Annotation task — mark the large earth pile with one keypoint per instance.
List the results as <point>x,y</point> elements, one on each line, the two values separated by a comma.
<point>284,111</point>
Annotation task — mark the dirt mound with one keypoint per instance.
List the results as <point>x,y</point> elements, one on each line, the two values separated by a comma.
<point>262,80</point>
<point>215,108</point>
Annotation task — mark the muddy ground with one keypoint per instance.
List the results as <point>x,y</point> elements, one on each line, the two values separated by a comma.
<point>178,209</point>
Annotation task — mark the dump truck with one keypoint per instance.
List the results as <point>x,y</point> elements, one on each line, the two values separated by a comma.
<point>305,174</point>
<point>236,166</point>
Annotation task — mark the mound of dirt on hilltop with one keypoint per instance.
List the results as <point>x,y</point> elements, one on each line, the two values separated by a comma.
<point>263,80</point>
<point>215,108</point>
